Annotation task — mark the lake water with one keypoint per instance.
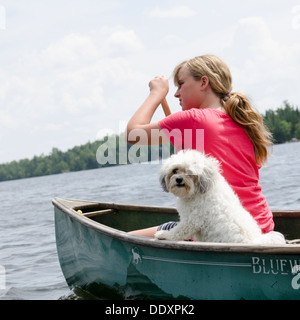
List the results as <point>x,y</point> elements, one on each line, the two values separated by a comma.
<point>28,258</point>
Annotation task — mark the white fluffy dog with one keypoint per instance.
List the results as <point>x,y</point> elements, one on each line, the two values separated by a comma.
<point>209,209</point>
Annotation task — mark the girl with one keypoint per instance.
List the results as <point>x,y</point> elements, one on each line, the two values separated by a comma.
<point>233,132</point>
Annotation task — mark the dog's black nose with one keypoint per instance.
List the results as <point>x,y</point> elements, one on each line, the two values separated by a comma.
<point>179,180</point>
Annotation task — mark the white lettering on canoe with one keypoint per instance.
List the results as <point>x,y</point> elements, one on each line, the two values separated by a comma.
<point>274,266</point>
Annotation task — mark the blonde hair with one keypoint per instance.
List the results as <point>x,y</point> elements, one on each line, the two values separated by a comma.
<point>236,104</point>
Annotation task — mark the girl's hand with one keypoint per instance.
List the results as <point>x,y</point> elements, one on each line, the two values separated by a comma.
<point>141,120</point>
<point>159,85</point>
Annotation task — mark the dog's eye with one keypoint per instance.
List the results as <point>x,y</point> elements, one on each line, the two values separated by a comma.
<point>189,172</point>
<point>175,171</point>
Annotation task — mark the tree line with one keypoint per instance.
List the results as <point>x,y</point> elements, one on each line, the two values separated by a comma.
<point>284,123</point>
<point>92,155</point>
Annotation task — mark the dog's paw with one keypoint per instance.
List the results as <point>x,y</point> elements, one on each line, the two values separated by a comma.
<point>161,235</point>
<point>272,237</point>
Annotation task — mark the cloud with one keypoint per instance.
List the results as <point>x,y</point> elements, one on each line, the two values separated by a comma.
<point>296,17</point>
<point>264,64</point>
<point>80,66</point>
<point>124,40</point>
<point>263,55</point>
<point>71,73</point>
<point>172,40</point>
<point>69,50</point>
<point>7,120</point>
<point>77,79</point>
<point>175,12</point>
<point>2,18</point>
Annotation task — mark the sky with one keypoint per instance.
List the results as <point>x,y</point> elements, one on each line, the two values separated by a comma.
<point>72,71</point>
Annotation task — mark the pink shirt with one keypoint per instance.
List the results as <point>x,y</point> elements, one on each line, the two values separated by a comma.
<point>215,133</point>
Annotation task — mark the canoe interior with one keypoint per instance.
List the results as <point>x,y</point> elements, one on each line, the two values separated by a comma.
<point>97,255</point>
<point>128,217</point>
<point>132,217</point>
<point>288,223</point>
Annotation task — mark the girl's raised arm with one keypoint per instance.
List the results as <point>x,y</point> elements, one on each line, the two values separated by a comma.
<point>139,128</point>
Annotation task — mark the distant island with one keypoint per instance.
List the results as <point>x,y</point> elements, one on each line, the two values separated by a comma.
<point>110,151</point>
<point>284,123</point>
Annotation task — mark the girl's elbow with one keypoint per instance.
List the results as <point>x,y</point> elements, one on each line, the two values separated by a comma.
<point>129,134</point>
<point>137,135</point>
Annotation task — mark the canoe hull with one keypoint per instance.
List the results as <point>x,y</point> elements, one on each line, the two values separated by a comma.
<point>134,267</point>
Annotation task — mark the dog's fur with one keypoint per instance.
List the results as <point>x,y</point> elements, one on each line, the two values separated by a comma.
<point>209,209</point>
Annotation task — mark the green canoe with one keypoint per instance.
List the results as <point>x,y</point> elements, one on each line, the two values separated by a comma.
<point>97,255</point>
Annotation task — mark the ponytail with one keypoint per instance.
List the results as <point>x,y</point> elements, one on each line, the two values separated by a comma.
<point>238,106</point>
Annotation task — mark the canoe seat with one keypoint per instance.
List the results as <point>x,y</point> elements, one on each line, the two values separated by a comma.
<point>296,241</point>
<point>99,213</point>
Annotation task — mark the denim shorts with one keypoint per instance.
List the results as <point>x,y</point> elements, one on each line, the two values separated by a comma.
<point>167,226</point>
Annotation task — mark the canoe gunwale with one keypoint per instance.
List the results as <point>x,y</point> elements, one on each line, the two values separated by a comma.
<point>70,207</point>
